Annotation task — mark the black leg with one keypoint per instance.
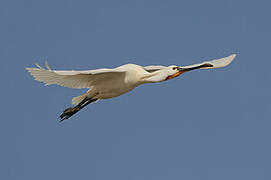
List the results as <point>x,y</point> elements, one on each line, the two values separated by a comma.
<point>87,103</point>
<point>72,110</point>
<point>82,102</point>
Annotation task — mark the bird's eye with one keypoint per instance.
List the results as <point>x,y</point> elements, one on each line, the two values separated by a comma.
<point>174,68</point>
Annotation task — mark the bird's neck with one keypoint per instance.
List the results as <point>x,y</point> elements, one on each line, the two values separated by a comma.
<point>154,77</point>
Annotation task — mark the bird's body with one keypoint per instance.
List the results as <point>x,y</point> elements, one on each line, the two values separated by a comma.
<point>109,83</point>
<point>128,80</point>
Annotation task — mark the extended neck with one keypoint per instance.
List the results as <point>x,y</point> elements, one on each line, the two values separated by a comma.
<point>154,77</point>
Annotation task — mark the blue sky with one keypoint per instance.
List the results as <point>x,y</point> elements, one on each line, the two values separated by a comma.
<point>203,125</point>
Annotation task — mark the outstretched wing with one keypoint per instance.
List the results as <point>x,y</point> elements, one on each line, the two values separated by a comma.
<point>73,79</point>
<point>153,68</point>
<point>216,63</point>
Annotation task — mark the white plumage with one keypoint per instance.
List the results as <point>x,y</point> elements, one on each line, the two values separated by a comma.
<point>108,83</point>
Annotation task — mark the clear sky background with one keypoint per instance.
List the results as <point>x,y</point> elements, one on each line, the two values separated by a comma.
<point>203,125</point>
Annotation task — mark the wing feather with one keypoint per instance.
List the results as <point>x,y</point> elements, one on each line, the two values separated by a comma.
<point>154,68</point>
<point>72,79</point>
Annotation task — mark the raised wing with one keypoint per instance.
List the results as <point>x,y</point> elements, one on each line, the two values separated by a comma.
<point>216,63</point>
<point>151,69</point>
<point>73,79</point>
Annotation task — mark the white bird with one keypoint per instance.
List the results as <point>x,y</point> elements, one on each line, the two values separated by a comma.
<point>109,83</point>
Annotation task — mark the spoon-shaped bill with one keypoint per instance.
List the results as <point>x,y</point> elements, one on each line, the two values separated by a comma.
<point>216,63</point>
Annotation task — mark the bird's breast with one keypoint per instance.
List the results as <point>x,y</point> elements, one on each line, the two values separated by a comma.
<point>114,88</point>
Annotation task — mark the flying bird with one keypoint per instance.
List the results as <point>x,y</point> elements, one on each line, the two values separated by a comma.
<point>108,83</point>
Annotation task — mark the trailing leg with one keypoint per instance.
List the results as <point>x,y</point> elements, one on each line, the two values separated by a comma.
<point>72,110</point>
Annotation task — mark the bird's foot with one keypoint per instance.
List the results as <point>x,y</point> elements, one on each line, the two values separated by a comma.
<point>68,113</point>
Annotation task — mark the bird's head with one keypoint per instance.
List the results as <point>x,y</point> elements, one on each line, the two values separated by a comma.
<point>164,74</point>
<point>174,71</point>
